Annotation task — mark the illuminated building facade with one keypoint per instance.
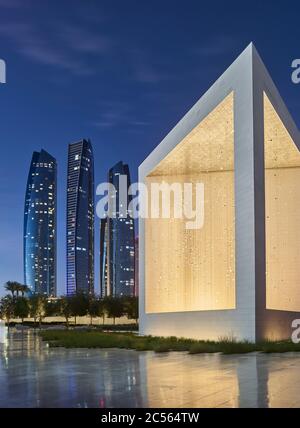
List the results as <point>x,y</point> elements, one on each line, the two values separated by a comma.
<point>238,275</point>
<point>40,225</point>
<point>136,266</point>
<point>104,291</point>
<point>117,245</point>
<point>80,218</point>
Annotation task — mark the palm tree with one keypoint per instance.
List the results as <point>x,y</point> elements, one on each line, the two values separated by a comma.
<point>24,289</point>
<point>37,306</point>
<point>13,287</point>
<point>7,307</point>
<point>18,290</point>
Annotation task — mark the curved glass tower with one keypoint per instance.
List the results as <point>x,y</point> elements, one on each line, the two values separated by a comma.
<point>40,225</point>
<point>117,240</point>
<point>104,257</point>
<point>80,218</point>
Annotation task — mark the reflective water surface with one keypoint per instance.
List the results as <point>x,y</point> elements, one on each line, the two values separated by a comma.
<point>32,375</point>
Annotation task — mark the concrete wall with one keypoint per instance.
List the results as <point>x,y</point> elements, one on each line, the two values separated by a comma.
<point>83,320</point>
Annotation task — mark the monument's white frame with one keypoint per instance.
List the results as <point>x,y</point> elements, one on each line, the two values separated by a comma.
<point>249,79</point>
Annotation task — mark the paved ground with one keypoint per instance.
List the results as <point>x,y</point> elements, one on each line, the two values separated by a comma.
<point>32,375</point>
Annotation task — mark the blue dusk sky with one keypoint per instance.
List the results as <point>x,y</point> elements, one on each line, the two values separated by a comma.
<point>121,73</point>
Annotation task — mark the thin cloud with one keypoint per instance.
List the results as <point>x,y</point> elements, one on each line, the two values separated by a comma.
<point>139,123</point>
<point>31,43</point>
<point>16,31</point>
<point>10,4</point>
<point>83,41</point>
<point>216,46</point>
<point>104,124</point>
<point>47,56</point>
<point>68,47</point>
<point>143,70</point>
<point>146,74</point>
<point>118,115</point>
<point>110,119</point>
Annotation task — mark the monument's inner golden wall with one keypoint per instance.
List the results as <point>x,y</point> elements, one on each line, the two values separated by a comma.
<point>282,190</point>
<point>194,269</point>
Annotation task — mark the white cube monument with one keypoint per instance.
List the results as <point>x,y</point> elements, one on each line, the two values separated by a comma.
<point>239,275</point>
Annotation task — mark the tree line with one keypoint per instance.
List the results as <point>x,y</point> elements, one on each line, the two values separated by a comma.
<point>18,305</point>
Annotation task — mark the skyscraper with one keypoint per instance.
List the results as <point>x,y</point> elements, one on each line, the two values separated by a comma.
<point>40,225</point>
<point>80,218</point>
<point>117,242</point>
<point>104,257</point>
<point>136,266</point>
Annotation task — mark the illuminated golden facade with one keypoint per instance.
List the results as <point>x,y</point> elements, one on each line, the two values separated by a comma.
<point>238,275</point>
<point>282,183</point>
<point>207,281</point>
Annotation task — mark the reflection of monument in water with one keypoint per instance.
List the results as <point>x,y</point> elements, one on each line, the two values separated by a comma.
<point>79,378</point>
<point>116,378</point>
<point>3,332</point>
<point>123,385</point>
<point>205,381</point>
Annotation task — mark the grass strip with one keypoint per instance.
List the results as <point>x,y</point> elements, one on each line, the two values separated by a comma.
<point>98,339</point>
